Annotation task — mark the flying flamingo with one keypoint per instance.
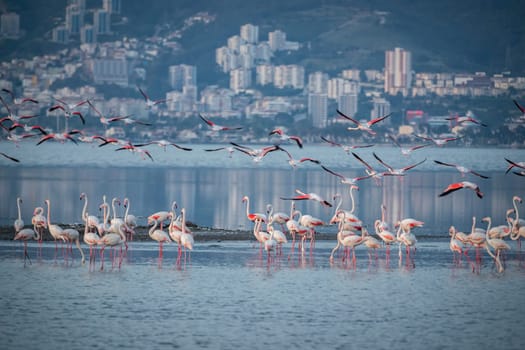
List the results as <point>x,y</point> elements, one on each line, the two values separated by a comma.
<point>459,185</point>
<point>520,107</point>
<point>309,196</point>
<point>61,137</point>
<point>397,172</point>
<point>285,137</point>
<point>149,102</point>
<point>514,164</point>
<point>128,121</point>
<point>253,216</point>
<point>345,148</point>
<point>164,144</point>
<point>256,154</point>
<point>294,162</point>
<point>406,151</point>
<point>229,149</point>
<point>345,180</point>
<point>69,108</point>
<point>497,244</point>
<point>363,126</point>
<point>134,149</point>
<point>19,223</point>
<point>11,115</point>
<point>24,235</point>
<point>438,141</point>
<point>215,127</point>
<point>18,101</point>
<point>463,170</point>
<point>466,119</point>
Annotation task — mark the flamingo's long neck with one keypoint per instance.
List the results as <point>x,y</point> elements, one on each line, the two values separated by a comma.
<point>84,210</point>
<point>516,219</point>
<point>127,209</point>
<point>18,200</point>
<point>183,223</point>
<point>352,198</point>
<point>248,206</point>
<point>473,225</point>
<point>339,203</point>
<point>48,214</point>
<point>383,213</point>
<point>113,207</point>
<point>292,209</point>
<point>152,229</point>
<point>489,220</point>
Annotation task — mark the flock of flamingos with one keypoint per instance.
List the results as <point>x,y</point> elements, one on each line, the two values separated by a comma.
<point>115,232</point>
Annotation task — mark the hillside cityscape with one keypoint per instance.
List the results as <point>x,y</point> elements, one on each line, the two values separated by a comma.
<point>259,85</point>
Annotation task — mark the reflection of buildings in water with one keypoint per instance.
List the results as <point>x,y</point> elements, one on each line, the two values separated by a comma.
<point>212,196</point>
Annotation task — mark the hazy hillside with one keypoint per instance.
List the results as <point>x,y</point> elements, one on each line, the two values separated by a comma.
<point>467,35</point>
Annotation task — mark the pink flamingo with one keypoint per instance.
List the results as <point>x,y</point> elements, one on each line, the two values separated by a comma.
<point>56,231</point>
<point>459,185</point>
<point>149,102</point>
<point>463,170</point>
<point>215,127</point>
<point>19,223</point>
<point>159,236</point>
<point>69,108</point>
<point>253,216</point>
<point>112,240</point>
<point>186,238</point>
<point>363,126</point>
<point>309,196</point>
<point>497,244</point>
<point>285,137</point>
<point>25,235</point>
<point>345,148</point>
<point>92,239</point>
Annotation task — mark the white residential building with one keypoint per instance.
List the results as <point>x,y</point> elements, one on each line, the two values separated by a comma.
<point>318,109</point>
<point>240,79</point>
<point>250,33</point>
<point>398,71</point>
<point>277,40</point>
<point>264,74</point>
<point>318,83</point>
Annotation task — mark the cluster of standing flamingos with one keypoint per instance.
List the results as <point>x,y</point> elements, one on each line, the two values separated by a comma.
<point>490,238</point>
<point>114,233</point>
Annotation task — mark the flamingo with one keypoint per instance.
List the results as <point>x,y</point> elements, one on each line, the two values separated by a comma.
<point>345,148</point>
<point>130,220</point>
<point>116,223</point>
<point>386,236</point>
<point>406,151</point>
<point>186,238</point>
<point>466,119</point>
<point>456,245</point>
<point>69,108</point>
<point>342,233</point>
<point>56,231</point>
<point>229,149</point>
<point>502,231</point>
<point>345,180</point>
<point>19,101</point>
<point>309,196</point>
<point>477,238</point>
<point>71,235</point>
<point>363,126</point>
<point>349,217</point>
<point>260,236</point>
<point>160,216</point>
<point>294,162</point>
<point>256,154</point>
<point>278,217</point>
<point>128,121</point>
<point>134,149</point>
<point>160,236</point>
<point>19,223</point>
<point>438,141</point>
<point>514,164</point>
<point>149,102</point>
<point>92,239</point>
<point>278,236</point>
<point>397,172</point>
<point>518,225</point>
<point>91,220</point>
<point>369,170</point>
<point>463,170</point>
<point>407,238</point>
<point>459,185</point>
<point>60,137</point>
<point>285,137</point>
<point>497,244</point>
<point>215,127</point>
<point>253,216</point>
<point>350,242</point>
<point>311,223</point>
<point>370,243</point>
<point>164,144</point>
<point>25,235</point>
<point>113,240</point>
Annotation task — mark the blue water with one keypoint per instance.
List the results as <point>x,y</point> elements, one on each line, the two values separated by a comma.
<point>210,185</point>
<point>230,296</point>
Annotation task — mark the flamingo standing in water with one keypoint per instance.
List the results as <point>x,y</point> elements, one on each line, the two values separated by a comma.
<point>24,235</point>
<point>71,235</point>
<point>130,220</point>
<point>160,216</point>
<point>91,220</point>
<point>497,244</point>
<point>456,246</point>
<point>92,239</point>
<point>111,239</point>
<point>518,225</point>
<point>56,231</point>
<point>186,238</point>
<point>19,223</point>
<point>386,236</point>
<point>160,236</point>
